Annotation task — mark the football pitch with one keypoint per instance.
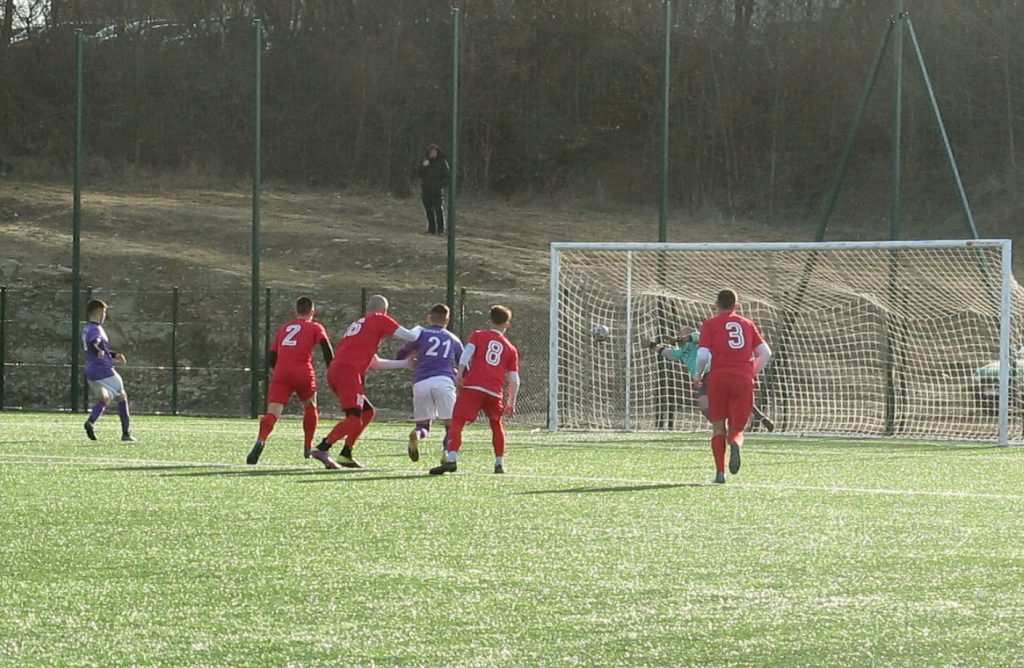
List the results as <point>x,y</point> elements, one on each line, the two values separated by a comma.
<point>594,549</point>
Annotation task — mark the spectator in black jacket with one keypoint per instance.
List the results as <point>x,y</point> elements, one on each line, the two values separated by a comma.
<point>433,173</point>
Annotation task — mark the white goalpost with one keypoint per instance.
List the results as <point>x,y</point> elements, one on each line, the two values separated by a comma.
<point>900,339</point>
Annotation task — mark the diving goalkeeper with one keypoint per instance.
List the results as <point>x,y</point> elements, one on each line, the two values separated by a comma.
<point>686,352</point>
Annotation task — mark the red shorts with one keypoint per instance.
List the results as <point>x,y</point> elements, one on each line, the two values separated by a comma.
<point>284,382</point>
<point>346,382</point>
<point>730,397</point>
<point>471,402</point>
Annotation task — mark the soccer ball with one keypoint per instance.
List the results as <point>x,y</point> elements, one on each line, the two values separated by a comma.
<point>600,333</point>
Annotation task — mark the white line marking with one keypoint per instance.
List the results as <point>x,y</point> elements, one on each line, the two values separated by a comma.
<point>67,460</point>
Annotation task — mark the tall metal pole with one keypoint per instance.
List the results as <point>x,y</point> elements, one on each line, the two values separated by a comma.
<point>175,302</point>
<point>897,125</point>
<point>950,157</point>
<point>3,341</point>
<point>665,83</point>
<point>858,122</point>
<point>266,347</point>
<point>76,220</point>
<point>453,183</point>
<point>254,361</point>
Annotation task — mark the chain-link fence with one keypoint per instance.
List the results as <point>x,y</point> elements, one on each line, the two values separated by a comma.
<point>189,351</point>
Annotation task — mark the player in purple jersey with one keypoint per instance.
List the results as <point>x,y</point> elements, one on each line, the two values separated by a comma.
<point>103,378</point>
<point>433,389</point>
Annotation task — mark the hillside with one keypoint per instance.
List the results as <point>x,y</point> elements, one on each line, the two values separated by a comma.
<point>139,242</point>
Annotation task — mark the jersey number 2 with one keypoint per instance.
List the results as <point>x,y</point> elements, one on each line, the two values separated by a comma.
<point>736,339</point>
<point>289,338</point>
<point>437,343</point>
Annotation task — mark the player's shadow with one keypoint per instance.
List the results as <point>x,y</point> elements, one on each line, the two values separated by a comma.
<point>251,473</point>
<point>618,488</point>
<point>370,478</point>
<point>168,467</point>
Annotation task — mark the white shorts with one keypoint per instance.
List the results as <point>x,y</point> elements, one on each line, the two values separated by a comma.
<point>433,398</point>
<point>109,387</point>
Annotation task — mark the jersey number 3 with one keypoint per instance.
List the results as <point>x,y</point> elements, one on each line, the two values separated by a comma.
<point>736,339</point>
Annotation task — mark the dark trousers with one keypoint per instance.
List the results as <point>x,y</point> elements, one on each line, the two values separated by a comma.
<point>433,205</point>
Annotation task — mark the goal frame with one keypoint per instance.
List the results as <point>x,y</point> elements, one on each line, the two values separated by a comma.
<point>1005,324</point>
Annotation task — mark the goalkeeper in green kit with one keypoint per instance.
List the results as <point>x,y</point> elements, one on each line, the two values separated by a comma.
<point>686,352</point>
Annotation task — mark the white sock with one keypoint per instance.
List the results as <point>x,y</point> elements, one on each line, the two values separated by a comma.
<point>453,456</point>
<point>499,461</point>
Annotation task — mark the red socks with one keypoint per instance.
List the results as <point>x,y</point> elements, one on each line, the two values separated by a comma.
<point>310,419</point>
<point>455,436</point>
<point>498,438</point>
<point>267,423</point>
<point>350,425</point>
<point>718,450</point>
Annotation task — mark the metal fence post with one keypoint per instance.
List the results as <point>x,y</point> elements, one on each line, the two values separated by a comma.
<point>266,347</point>
<point>76,220</point>
<point>3,340</point>
<point>78,342</point>
<point>175,301</point>
<point>462,313</point>
<point>364,297</point>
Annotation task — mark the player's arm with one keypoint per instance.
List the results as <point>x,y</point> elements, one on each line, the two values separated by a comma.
<point>407,334</point>
<point>272,358</point>
<point>379,363</point>
<point>762,355</point>
<point>328,350</point>
<point>512,378</point>
<point>405,350</point>
<point>464,360</point>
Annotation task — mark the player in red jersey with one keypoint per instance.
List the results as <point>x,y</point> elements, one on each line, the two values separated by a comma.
<point>356,353</point>
<point>291,358</point>
<point>739,353</point>
<point>492,360</point>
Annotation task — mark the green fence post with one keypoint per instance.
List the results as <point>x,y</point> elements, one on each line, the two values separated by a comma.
<point>76,220</point>
<point>254,359</point>
<point>897,125</point>
<point>78,340</point>
<point>175,302</point>
<point>364,297</point>
<point>3,341</point>
<point>666,77</point>
<point>462,312</point>
<point>266,347</point>
<point>453,183</point>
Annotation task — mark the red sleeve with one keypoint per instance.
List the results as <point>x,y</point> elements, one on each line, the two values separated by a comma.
<point>706,336</point>
<point>321,334</point>
<point>513,359</point>
<point>474,340</point>
<point>755,335</point>
<point>388,325</point>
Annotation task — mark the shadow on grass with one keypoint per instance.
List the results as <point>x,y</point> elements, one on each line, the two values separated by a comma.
<point>168,467</point>
<point>256,472</point>
<point>620,488</point>
<point>362,478</point>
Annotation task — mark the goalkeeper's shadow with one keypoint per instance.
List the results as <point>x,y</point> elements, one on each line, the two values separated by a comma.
<point>617,488</point>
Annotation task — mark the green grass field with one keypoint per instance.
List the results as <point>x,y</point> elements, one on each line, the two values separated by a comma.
<point>595,549</point>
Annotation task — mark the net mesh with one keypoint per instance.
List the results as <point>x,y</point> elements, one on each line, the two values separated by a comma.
<point>880,341</point>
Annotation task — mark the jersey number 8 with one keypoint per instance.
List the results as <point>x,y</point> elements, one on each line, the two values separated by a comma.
<point>493,354</point>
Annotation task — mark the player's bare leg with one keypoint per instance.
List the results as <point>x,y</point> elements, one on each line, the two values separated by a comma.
<point>267,423</point>
<point>310,420</point>
<point>718,449</point>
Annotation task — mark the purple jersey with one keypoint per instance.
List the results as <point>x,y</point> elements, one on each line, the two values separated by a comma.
<point>437,353</point>
<point>98,361</point>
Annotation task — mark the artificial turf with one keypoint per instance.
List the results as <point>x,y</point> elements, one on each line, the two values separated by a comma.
<point>594,549</point>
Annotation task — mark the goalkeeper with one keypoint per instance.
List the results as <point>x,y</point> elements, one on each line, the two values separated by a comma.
<point>686,352</point>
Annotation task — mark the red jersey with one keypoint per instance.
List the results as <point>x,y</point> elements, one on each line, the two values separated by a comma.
<point>294,344</point>
<point>731,339</point>
<point>362,339</point>
<point>493,357</point>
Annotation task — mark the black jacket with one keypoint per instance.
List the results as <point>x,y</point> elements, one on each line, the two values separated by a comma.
<point>433,177</point>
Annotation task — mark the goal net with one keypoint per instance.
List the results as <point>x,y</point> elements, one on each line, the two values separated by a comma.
<point>888,339</point>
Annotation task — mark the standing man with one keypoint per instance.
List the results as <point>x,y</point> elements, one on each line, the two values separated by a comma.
<point>356,353</point>
<point>434,173</point>
<point>492,360</point>
<point>291,358</point>
<point>433,389</point>
<point>740,352</point>
<point>103,378</point>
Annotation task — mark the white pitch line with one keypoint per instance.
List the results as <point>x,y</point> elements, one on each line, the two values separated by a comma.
<point>72,459</point>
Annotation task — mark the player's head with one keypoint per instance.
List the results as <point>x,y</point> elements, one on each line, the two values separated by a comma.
<point>96,310</point>
<point>433,151</point>
<point>439,314</point>
<point>304,307</point>
<point>727,300</point>
<point>377,304</point>
<point>500,316</point>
